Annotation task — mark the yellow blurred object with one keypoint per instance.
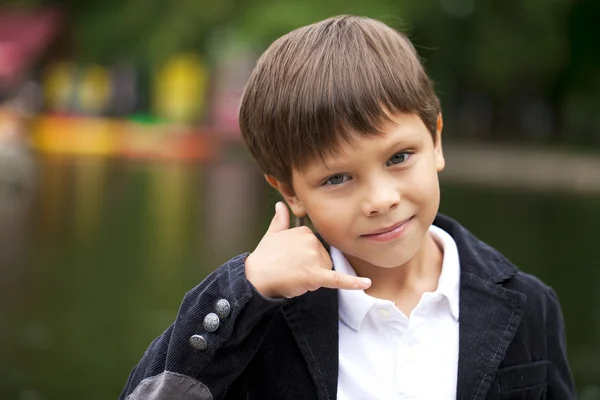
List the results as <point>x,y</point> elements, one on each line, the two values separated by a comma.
<point>180,88</point>
<point>58,85</point>
<point>94,90</point>
<point>70,135</point>
<point>69,87</point>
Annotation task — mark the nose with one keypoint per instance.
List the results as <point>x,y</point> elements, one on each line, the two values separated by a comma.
<point>381,198</point>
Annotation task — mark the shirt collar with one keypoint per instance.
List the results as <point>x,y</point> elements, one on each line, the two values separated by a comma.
<point>355,304</point>
<point>449,282</point>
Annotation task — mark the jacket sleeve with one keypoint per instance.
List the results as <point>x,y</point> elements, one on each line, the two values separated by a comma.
<point>560,380</point>
<point>219,327</point>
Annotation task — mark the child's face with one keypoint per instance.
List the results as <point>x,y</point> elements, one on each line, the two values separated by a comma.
<point>373,184</point>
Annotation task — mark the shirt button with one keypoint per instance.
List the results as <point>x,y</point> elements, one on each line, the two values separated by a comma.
<point>211,322</point>
<point>222,308</point>
<point>384,313</point>
<point>198,342</point>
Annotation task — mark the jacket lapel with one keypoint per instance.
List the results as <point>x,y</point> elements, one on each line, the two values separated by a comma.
<point>489,318</point>
<point>489,313</point>
<point>313,319</point>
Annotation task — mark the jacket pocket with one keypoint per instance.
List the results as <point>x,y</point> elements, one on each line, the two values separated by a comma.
<point>521,382</point>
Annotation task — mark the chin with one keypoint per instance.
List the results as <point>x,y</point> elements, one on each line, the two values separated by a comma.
<point>393,259</point>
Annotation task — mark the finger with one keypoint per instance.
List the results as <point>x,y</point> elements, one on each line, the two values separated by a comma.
<point>281,219</point>
<point>337,280</point>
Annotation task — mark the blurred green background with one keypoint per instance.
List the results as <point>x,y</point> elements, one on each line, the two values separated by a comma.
<point>123,180</point>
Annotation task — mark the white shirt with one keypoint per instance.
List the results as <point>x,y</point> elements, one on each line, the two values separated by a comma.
<point>385,355</point>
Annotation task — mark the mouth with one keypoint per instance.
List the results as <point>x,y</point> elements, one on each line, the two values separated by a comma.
<point>389,232</point>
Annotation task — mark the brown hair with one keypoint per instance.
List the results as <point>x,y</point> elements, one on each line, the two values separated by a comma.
<point>326,82</point>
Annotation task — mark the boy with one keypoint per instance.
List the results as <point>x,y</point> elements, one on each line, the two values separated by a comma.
<point>390,300</point>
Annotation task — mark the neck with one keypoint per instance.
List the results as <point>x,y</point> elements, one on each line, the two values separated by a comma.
<point>418,275</point>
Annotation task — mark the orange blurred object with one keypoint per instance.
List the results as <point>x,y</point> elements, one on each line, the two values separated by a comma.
<point>167,142</point>
<point>112,137</point>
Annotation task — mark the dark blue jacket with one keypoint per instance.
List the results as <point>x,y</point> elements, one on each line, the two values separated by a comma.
<point>512,339</point>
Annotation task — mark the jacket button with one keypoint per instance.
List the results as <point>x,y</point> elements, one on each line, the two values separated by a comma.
<point>211,322</point>
<point>223,308</point>
<point>198,342</point>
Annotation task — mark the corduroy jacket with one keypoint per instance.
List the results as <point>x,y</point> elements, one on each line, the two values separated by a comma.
<point>511,338</point>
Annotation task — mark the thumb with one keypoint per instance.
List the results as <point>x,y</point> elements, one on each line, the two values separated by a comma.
<point>281,219</point>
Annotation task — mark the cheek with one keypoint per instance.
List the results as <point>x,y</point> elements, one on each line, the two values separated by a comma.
<point>329,216</point>
<point>424,185</point>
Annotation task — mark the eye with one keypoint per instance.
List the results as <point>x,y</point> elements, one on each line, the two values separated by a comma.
<point>398,158</point>
<point>336,179</point>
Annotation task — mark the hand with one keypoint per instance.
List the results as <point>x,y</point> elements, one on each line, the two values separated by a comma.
<point>290,262</point>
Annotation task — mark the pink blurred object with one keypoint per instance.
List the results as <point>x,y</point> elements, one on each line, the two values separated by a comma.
<point>24,34</point>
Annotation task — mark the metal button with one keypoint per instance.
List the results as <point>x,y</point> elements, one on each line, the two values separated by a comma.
<point>198,342</point>
<point>223,308</point>
<point>211,322</point>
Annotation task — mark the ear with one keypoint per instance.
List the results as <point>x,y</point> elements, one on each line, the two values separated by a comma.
<point>440,162</point>
<point>288,194</point>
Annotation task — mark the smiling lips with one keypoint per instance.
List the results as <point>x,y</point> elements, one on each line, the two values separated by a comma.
<point>390,232</point>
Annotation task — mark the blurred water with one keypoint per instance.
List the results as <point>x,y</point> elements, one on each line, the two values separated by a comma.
<point>111,247</point>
